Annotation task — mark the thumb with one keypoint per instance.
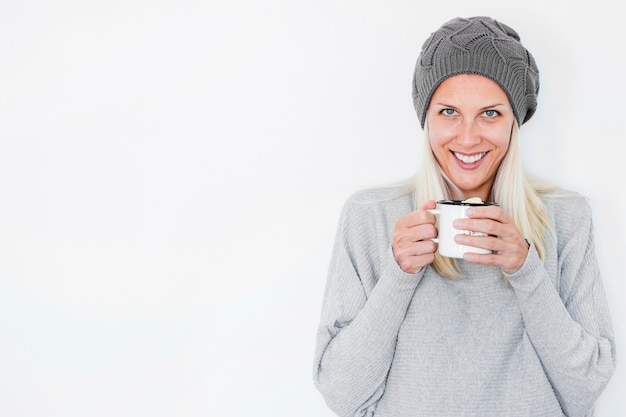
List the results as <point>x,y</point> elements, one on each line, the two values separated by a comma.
<point>430,204</point>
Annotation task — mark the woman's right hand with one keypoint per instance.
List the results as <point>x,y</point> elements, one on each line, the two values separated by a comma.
<point>412,245</point>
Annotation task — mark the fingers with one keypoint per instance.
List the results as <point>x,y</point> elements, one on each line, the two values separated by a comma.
<point>503,238</point>
<point>509,260</point>
<point>488,212</point>
<point>412,245</point>
<point>412,258</point>
<point>418,217</point>
<point>490,220</point>
<point>429,205</point>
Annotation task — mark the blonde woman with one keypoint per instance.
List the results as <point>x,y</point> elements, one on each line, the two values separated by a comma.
<point>521,331</point>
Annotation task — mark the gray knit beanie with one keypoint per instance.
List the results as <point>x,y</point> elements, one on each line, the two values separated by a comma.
<point>477,45</point>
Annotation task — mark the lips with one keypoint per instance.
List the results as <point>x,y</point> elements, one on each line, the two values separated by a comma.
<point>469,159</point>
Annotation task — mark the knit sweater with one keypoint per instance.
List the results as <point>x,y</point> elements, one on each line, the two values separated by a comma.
<point>392,344</point>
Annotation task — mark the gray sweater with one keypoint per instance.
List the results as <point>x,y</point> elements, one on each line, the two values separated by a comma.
<point>392,344</point>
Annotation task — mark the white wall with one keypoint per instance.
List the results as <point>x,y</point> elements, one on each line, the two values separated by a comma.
<point>171,175</point>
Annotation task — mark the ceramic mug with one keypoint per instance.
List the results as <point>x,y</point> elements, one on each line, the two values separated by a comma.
<point>447,211</point>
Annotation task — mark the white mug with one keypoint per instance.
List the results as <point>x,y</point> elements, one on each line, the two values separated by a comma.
<point>448,211</point>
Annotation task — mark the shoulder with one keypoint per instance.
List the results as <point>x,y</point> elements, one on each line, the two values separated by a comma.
<point>568,210</point>
<point>566,202</point>
<point>371,214</point>
<point>392,200</point>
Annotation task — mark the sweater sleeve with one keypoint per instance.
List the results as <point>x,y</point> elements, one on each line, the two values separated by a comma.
<point>569,327</point>
<point>365,302</point>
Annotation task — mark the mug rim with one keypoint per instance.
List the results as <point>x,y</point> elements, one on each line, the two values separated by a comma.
<point>463,203</point>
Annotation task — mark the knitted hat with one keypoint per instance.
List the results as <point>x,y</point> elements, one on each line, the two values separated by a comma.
<point>477,45</point>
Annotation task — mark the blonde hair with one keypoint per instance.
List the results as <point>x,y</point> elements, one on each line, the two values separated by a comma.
<point>516,192</point>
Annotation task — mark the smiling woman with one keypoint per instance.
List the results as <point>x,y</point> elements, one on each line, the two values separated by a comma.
<point>521,328</point>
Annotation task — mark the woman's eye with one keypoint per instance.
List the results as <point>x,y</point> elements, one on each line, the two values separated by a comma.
<point>491,113</point>
<point>448,112</point>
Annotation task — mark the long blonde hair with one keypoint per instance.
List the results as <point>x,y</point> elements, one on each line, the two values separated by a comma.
<point>517,193</point>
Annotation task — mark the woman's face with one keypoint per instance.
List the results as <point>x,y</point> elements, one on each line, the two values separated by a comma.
<point>469,122</point>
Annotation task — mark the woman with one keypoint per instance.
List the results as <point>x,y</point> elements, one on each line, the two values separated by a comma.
<point>521,331</point>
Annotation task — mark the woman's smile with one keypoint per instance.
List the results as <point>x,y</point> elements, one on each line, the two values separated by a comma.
<point>469,161</point>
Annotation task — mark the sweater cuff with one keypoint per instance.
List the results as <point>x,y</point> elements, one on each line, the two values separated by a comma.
<point>530,275</point>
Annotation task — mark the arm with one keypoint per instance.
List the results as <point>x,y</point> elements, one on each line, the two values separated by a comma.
<point>570,329</point>
<point>365,302</point>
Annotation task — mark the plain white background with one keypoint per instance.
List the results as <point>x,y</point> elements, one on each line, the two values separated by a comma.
<point>172,171</point>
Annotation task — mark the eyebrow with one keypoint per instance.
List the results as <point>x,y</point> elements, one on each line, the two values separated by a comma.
<point>491,106</point>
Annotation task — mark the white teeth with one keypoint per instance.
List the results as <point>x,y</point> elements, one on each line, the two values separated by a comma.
<point>470,159</point>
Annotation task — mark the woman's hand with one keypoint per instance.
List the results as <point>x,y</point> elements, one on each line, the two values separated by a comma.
<point>412,247</point>
<point>508,245</point>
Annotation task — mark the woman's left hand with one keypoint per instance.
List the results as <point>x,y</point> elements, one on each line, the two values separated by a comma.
<point>506,242</point>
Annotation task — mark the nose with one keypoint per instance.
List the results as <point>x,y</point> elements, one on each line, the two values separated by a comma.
<point>469,134</point>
